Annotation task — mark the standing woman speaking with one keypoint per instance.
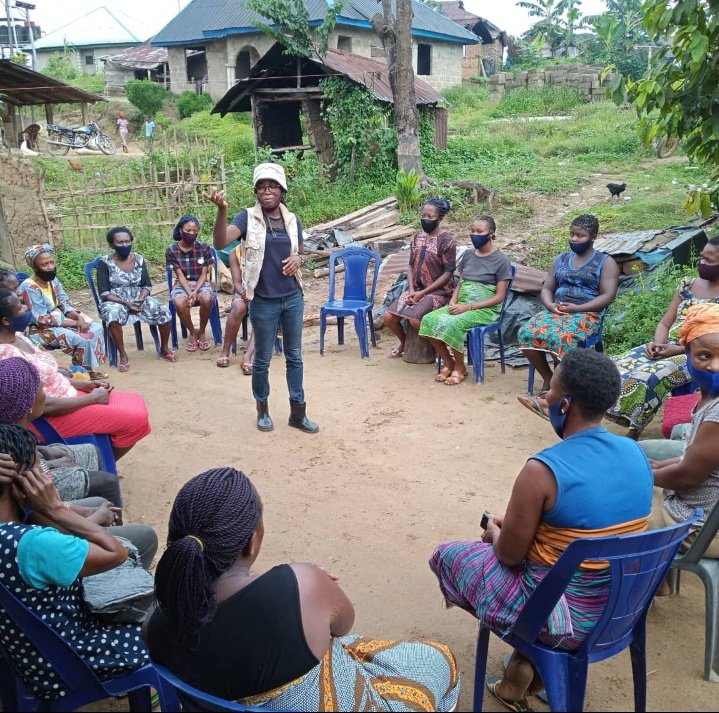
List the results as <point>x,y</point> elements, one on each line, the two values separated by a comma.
<point>272,285</point>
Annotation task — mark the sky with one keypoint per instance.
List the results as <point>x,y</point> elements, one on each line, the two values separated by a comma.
<point>52,14</point>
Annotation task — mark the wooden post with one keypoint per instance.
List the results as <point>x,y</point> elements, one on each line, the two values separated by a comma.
<point>13,123</point>
<point>417,350</point>
<point>84,112</point>
<point>48,114</point>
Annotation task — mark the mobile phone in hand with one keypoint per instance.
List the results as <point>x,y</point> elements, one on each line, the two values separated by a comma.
<point>485,520</point>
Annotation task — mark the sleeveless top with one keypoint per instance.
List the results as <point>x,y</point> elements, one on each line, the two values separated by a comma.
<point>108,650</point>
<point>604,487</point>
<point>254,643</point>
<point>577,285</point>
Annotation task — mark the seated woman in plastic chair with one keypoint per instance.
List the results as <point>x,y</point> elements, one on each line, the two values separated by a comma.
<point>690,479</point>
<point>580,285</point>
<point>591,484</point>
<point>55,321</point>
<point>191,261</point>
<point>43,567</point>
<point>280,638</point>
<point>123,284</point>
<point>484,274</point>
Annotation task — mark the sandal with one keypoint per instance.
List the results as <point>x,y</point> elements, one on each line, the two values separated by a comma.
<point>191,346</point>
<point>532,403</point>
<point>455,379</point>
<point>396,353</point>
<point>203,344</point>
<point>95,375</point>
<point>123,368</point>
<point>518,706</point>
<point>222,361</point>
<point>171,356</point>
<point>443,375</point>
<point>247,369</point>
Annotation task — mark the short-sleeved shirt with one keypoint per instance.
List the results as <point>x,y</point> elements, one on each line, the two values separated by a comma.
<point>680,505</point>
<point>49,558</point>
<point>278,246</point>
<point>190,262</point>
<point>149,128</point>
<point>488,269</point>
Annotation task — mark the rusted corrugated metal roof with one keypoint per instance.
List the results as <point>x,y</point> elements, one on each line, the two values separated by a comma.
<point>21,86</point>
<point>638,241</point>
<point>143,56</point>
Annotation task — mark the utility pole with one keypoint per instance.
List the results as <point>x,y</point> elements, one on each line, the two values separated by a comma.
<point>31,30</point>
<point>11,26</point>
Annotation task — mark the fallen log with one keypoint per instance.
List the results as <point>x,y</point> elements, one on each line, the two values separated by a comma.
<point>337,222</point>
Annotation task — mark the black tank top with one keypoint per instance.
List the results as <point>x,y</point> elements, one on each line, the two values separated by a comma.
<point>254,643</point>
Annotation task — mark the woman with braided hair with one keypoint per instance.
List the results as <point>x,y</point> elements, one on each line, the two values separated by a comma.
<point>432,258</point>
<point>278,639</point>
<point>581,284</point>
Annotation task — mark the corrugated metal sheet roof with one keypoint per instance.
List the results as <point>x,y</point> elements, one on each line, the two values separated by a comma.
<point>143,56</point>
<point>21,86</point>
<point>638,241</point>
<point>206,19</point>
<point>277,70</point>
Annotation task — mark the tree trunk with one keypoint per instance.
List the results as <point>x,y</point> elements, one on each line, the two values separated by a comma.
<point>396,35</point>
<point>417,350</point>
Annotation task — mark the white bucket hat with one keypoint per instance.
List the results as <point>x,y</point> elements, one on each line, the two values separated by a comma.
<point>270,172</point>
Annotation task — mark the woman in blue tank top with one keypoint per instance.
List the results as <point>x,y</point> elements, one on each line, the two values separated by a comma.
<point>580,285</point>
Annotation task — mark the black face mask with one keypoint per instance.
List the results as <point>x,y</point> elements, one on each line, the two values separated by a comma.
<point>47,275</point>
<point>429,225</point>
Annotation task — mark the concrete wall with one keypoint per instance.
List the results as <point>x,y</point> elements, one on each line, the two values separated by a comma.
<point>585,78</point>
<point>446,64</point>
<point>23,219</point>
<point>81,53</point>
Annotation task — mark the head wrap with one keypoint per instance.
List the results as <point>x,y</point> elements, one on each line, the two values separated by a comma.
<point>441,204</point>
<point>121,114</point>
<point>700,320</point>
<point>34,250</point>
<point>187,218</point>
<point>269,172</point>
<point>19,384</point>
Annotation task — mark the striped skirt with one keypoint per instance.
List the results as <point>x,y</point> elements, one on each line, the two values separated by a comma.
<point>471,577</point>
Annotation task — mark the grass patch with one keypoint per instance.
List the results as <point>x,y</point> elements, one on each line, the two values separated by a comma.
<point>538,101</point>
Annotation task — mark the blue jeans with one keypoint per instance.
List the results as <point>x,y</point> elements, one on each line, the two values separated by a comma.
<point>266,315</point>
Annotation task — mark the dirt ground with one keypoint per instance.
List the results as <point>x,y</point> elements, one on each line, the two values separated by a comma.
<point>400,464</point>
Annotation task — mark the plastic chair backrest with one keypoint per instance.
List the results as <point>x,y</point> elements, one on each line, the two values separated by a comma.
<point>638,565</point>
<point>21,276</point>
<point>704,538</point>
<point>356,262</point>
<point>219,704</point>
<point>90,270</point>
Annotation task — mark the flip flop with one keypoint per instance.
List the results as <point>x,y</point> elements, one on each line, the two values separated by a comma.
<point>442,376</point>
<point>123,368</point>
<point>203,344</point>
<point>454,380</point>
<point>532,403</point>
<point>396,353</point>
<point>247,369</point>
<point>518,706</point>
<point>223,362</point>
<point>169,357</point>
<point>191,346</point>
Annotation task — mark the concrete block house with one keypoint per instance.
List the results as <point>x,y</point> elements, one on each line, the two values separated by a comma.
<point>215,41</point>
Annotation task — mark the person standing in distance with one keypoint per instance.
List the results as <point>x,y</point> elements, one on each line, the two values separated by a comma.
<point>271,262</point>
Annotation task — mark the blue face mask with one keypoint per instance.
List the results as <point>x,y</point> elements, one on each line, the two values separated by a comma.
<point>580,248</point>
<point>479,240</point>
<point>21,323</point>
<point>123,250</point>
<point>707,381</point>
<point>556,417</point>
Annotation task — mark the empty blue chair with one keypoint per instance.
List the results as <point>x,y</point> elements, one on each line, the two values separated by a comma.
<point>356,301</point>
<point>101,441</point>
<point>186,693</point>
<point>215,324</point>
<point>638,565</point>
<point>21,276</point>
<point>85,687</point>
<point>110,347</point>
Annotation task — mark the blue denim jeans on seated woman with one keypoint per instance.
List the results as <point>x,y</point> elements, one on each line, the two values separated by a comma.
<point>266,315</point>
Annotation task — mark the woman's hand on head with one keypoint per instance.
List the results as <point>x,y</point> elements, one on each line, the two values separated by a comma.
<point>217,197</point>
<point>8,470</point>
<point>37,492</point>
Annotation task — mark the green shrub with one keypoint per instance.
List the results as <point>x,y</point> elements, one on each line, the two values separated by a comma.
<point>406,189</point>
<point>162,121</point>
<point>190,103</point>
<point>147,96</point>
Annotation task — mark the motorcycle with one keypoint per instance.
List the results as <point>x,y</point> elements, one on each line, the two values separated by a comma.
<point>60,139</point>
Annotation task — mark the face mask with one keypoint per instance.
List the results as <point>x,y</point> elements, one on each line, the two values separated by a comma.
<point>580,248</point>
<point>429,225</point>
<point>479,240</point>
<point>188,238</point>
<point>707,381</point>
<point>123,250</point>
<point>47,275</point>
<point>708,272</point>
<point>557,418</point>
<point>21,323</point>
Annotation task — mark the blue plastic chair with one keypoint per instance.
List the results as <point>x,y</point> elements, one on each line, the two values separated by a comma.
<point>686,389</point>
<point>707,569</point>
<point>110,346</point>
<point>85,687</point>
<point>186,693</point>
<point>638,565</point>
<point>355,301</point>
<point>215,324</point>
<point>101,441</point>
<point>594,341</point>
